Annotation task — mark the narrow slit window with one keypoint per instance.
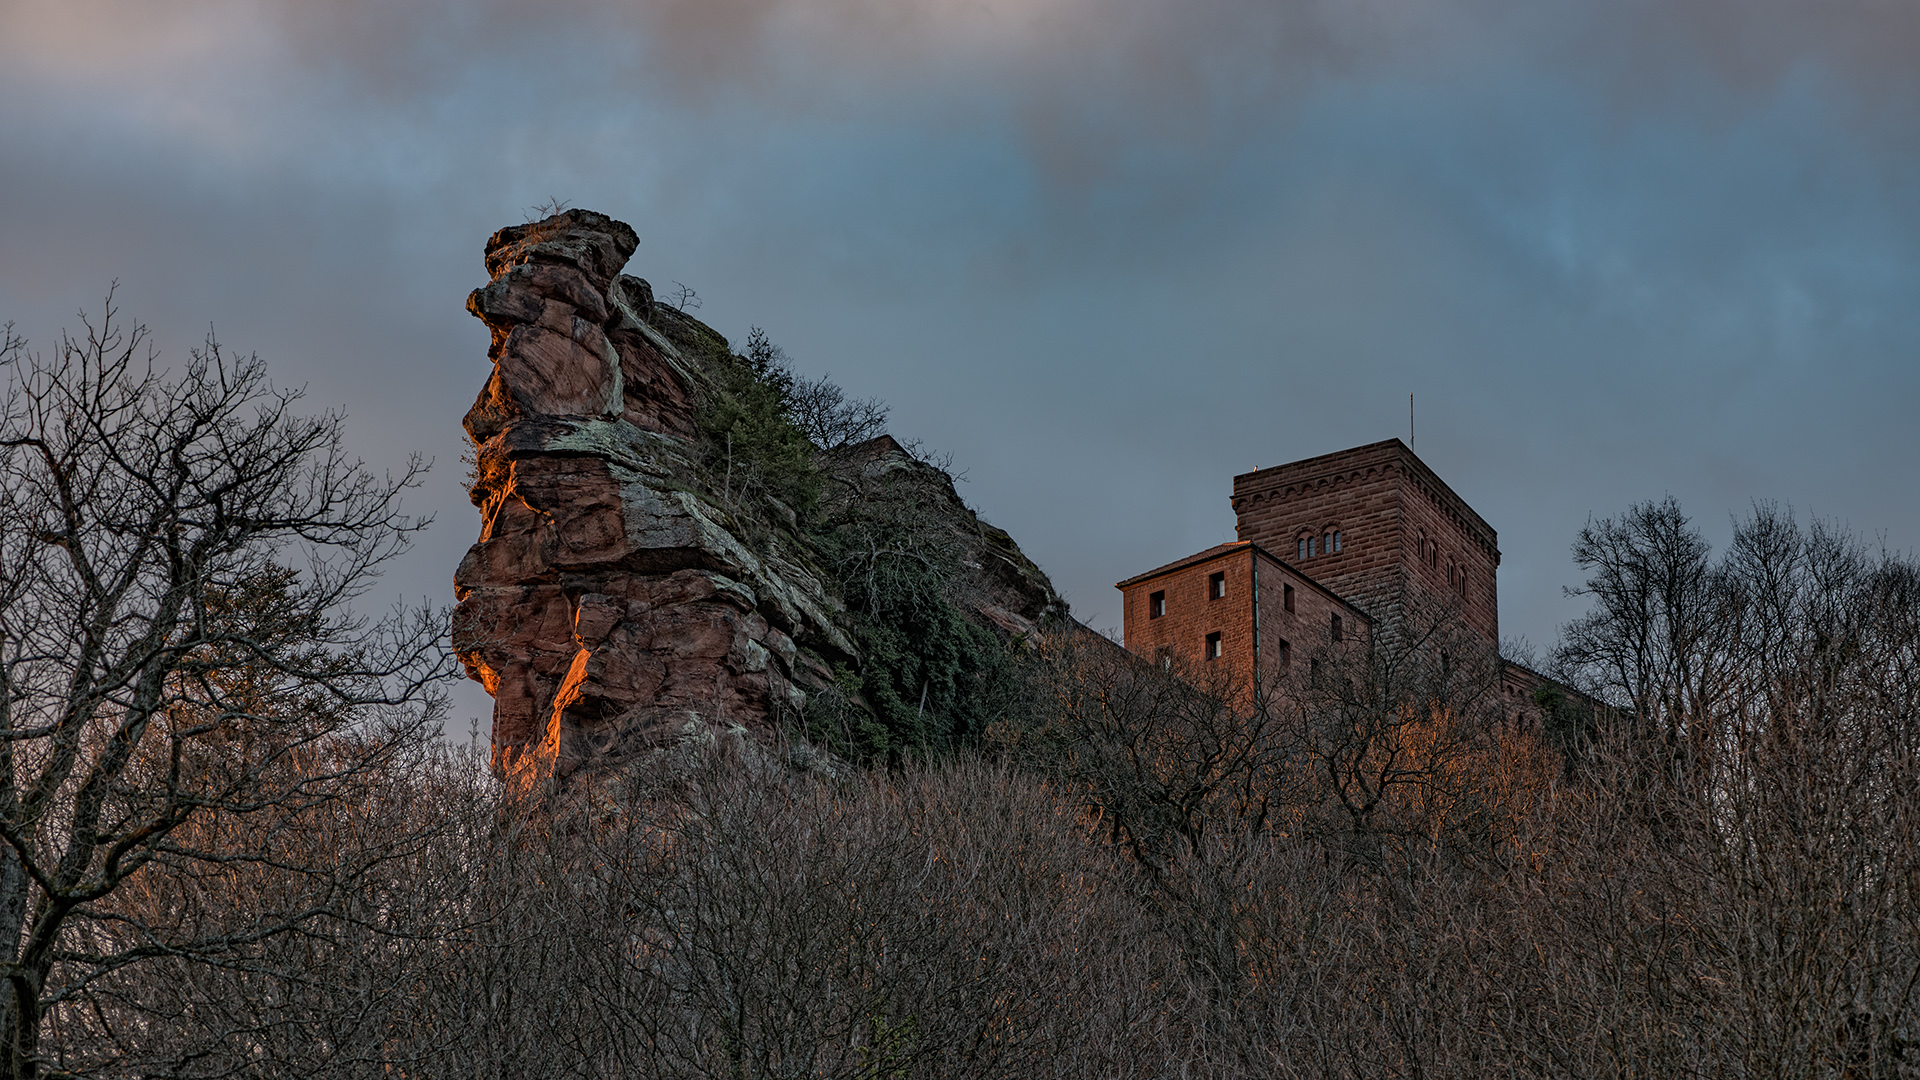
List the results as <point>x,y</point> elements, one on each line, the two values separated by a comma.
<point>1286,596</point>
<point>1164,657</point>
<point>1156,605</point>
<point>1286,655</point>
<point>1337,629</point>
<point>1217,586</point>
<point>1326,543</point>
<point>1213,645</point>
<point>1336,541</point>
<point>1300,549</point>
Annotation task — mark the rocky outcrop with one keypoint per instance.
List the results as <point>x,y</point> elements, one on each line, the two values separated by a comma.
<point>608,604</point>
<point>614,601</point>
<point>995,580</point>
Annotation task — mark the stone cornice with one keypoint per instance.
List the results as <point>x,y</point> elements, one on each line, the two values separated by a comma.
<point>1286,481</point>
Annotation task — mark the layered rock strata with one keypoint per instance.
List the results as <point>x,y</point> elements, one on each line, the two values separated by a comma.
<point>607,604</point>
<point>613,601</point>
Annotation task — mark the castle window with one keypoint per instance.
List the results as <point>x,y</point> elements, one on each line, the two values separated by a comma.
<point>1156,605</point>
<point>1286,655</point>
<point>1286,596</point>
<point>1217,585</point>
<point>1336,541</point>
<point>1326,544</point>
<point>1163,656</point>
<point>1336,628</point>
<point>1213,645</point>
<point>1302,548</point>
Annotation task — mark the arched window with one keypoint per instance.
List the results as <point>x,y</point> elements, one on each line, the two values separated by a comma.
<point>1303,548</point>
<point>1336,541</point>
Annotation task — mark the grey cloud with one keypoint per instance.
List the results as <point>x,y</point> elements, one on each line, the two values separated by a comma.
<point>1109,251</point>
<point>1178,71</point>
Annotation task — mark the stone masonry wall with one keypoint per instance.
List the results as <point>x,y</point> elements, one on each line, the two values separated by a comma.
<point>1192,614</point>
<point>1306,629</point>
<point>1383,500</point>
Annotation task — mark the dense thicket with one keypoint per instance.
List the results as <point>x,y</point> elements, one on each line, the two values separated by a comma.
<point>1371,873</point>
<point>229,852</point>
<point>187,708</point>
<point>785,451</point>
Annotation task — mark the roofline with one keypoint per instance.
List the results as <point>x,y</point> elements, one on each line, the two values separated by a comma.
<point>1543,677</point>
<point>1218,551</point>
<point>1309,579</point>
<point>1314,467</point>
<point>1241,547</point>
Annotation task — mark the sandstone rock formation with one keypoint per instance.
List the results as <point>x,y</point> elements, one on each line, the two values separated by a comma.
<point>616,600</point>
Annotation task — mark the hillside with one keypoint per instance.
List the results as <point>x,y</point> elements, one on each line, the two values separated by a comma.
<point>677,536</point>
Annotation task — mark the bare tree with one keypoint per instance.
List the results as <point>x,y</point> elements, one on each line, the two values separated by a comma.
<point>684,298</point>
<point>831,420</point>
<point>818,406</point>
<point>549,207</point>
<point>1738,868</point>
<point>1647,643</point>
<point>179,677</point>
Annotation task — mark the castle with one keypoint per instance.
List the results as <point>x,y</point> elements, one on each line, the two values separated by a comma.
<point>623,594</point>
<point>1329,546</point>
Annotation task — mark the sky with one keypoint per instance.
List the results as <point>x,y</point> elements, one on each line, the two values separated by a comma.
<point>1105,253</point>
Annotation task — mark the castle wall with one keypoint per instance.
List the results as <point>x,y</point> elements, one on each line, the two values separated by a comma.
<point>1289,628</point>
<point>1354,492</point>
<point>1294,629</point>
<point>1459,569</point>
<point>1385,504</point>
<point>1191,614</point>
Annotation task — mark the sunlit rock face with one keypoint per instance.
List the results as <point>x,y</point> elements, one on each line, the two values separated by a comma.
<point>608,605</point>
<point>622,596</point>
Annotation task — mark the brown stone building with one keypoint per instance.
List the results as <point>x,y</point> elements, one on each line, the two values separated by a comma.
<point>1328,547</point>
<point>1237,606</point>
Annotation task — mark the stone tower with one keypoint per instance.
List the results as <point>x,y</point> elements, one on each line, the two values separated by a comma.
<point>1377,527</point>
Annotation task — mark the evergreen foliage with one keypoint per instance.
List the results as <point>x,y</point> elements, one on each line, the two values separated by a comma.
<point>929,673</point>
<point>752,447</point>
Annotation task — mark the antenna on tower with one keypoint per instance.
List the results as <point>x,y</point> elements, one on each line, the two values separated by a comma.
<point>1409,421</point>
